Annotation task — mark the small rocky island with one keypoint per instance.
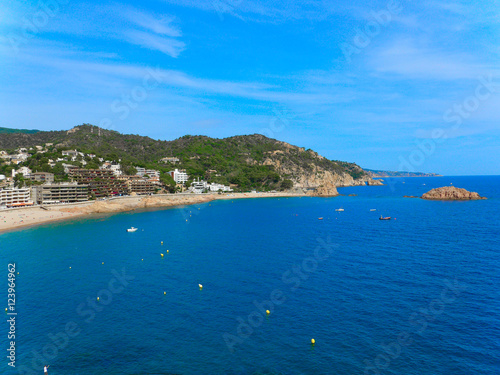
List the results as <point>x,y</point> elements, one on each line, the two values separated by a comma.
<point>451,193</point>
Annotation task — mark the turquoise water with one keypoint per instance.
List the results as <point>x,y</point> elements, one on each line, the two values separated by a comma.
<point>414,295</point>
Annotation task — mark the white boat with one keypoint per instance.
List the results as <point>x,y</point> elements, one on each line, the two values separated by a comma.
<point>132,229</point>
<point>373,209</point>
<point>339,209</point>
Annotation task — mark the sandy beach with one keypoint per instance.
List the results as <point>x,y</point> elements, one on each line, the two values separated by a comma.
<point>13,219</point>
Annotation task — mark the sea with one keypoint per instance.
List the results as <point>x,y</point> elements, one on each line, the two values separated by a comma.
<point>244,286</point>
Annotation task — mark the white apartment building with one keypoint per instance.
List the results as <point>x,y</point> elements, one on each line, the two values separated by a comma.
<point>152,173</point>
<point>218,187</point>
<point>149,172</point>
<point>179,177</point>
<point>15,197</point>
<point>199,187</point>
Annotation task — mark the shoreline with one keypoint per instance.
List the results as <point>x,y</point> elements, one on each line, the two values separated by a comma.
<point>26,217</point>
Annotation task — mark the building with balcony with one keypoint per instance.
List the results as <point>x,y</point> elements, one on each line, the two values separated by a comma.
<point>179,176</point>
<point>140,186</point>
<point>15,197</point>
<point>42,177</point>
<point>101,182</point>
<point>67,192</point>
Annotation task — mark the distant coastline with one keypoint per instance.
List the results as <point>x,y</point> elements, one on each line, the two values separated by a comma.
<point>437,175</point>
<point>373,173</point>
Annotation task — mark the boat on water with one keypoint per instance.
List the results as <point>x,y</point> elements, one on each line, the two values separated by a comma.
<point>339,209</point>
<point>320,218</point>
<point>132,229</point>
<point>373,209</point>
<point>384,218</point>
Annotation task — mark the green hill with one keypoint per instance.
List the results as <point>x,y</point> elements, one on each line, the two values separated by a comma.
<point>10,131</point>
<point>249,161</point>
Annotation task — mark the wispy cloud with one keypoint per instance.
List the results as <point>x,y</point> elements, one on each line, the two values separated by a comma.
<point>155,32</point>
<point>263,11</point>
<point>168,46</point>
<point>408,59</point>
<point>152,30</point>
<point>162,25</point>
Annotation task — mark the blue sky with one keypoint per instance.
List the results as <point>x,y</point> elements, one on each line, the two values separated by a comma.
<point>396,85</point>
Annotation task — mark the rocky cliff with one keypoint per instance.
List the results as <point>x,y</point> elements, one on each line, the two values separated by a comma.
<point>310,171</point>
<point>451,193</point>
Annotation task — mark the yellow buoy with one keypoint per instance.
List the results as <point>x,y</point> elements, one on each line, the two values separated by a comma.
<point>164,293</point>
<point>313,341</point>
<point>268,312</point>
<point>69,267</point>
<point>98,298</point>
<point>201,286</point>
<point>167,251</point>
<point>161,255</point>
<point>102,262</point>
<point>162,242</point>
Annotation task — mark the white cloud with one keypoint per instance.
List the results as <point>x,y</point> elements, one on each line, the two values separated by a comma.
<point>168,46</point>
<point>159,25</point>
<point>405,58</point>
<point>263,11</point>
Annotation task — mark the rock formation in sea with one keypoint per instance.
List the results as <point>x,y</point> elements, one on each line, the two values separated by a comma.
<point>451,193</point>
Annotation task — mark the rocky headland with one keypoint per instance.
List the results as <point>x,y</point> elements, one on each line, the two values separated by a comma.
<point>451,193</point>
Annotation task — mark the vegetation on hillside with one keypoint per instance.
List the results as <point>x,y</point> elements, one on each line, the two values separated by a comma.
<point>10,131</point>
<point>239,160</point>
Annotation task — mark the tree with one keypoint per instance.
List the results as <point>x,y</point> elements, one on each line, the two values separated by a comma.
<point>286,185</point>
<point>19,180</point>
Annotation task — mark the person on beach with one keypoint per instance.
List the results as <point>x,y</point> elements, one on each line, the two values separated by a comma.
<point>45,372</point>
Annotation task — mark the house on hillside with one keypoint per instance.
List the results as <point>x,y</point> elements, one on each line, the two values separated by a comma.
<point>25,171</point>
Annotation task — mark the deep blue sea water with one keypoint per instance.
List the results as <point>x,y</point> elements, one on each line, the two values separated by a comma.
<point>415,295</point>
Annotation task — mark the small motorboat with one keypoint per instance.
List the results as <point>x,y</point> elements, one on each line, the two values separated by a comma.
<point>339,209</point>
<point>132,229</point>
<point>320,218</point>
<point>373,209</point>
<point>384,218</point>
